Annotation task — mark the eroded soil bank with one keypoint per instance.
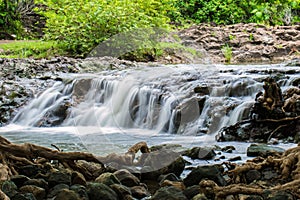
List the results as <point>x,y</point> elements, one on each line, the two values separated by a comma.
<point>248,43</point>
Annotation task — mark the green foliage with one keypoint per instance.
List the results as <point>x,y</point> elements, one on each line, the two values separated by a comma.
<point>227,52</point>
<point>83,24</point>
<point>34,49</point>
<point>217,11</point>
<point>154,51</point>
<point>273,12</point>
<point>9,17</point>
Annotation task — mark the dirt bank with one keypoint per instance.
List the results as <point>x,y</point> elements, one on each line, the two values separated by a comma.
<point>244,43</point>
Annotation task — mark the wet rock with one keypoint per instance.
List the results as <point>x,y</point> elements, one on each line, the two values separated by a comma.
<point>37,182</point>
<point>204,153</point>
<point>139,192</point>
<point>235,158</point>
<point>254,197</point>
<point>100,191</point>
<point>55,116</point>
<point>39,193</point>
<point>56,189</point>
<point>188,111</point>
<point>210,172</point>
<point>95,169</point>
<point>176,184</point>
<point>269,174</point>
<point>77,178</point>
<point>27,196</point>
<point>126,178</point>
<point>228,149</point>
<point>202,90</point>
<point>66,194</point>
<point>9,188</point>
<point>122,191</point>
<point>191,191</point>
<point>81,191</point>
<point>30,170</point>
<point>162,162</point>
<point>262,150</point>
<point>178,148</point>
<point>200,197</point>
<point>277,195</point>
<point>60,177</point>
<point>252,175</point>
<point>170,193</point>
<point>19,180</point>
<point>107,179</point>
<point>170,177</point>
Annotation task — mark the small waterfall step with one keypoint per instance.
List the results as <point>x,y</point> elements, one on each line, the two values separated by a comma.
<point>185,99</point>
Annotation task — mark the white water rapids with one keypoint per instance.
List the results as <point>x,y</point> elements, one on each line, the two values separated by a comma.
<point>110,111</point>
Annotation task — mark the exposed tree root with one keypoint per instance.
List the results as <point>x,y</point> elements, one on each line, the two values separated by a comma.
<point>283,120</point>
<point>16,155</point>
<point>210,188</point>
<point>287,165</point>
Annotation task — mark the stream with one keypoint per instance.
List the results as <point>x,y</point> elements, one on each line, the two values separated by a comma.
<point>109,111</point>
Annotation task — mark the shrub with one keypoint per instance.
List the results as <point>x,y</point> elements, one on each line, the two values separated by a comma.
<point>83,24</point>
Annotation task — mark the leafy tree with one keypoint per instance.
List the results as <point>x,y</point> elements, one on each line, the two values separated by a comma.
<point>273,12</point>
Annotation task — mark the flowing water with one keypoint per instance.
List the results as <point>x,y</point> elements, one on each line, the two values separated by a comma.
<point>111,110</point>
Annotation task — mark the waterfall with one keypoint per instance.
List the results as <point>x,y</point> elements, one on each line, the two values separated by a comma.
<point>189,100</point>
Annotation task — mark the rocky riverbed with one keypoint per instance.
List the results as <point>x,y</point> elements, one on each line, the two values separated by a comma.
<point>155,174</point>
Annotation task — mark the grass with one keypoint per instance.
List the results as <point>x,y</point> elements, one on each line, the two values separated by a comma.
<point>31,49</point>
<point>227,52</point>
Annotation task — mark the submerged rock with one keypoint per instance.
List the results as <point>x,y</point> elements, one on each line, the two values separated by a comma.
<point>204,153</point>
<point>263,150</point>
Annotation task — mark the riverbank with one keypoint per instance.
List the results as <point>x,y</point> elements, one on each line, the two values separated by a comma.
<point>204,43</point>
<point>35,172</point>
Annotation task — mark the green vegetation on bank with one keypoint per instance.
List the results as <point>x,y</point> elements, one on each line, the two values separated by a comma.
<point>79,26</point>
<point>272,12</point>
<point>33,49</point>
